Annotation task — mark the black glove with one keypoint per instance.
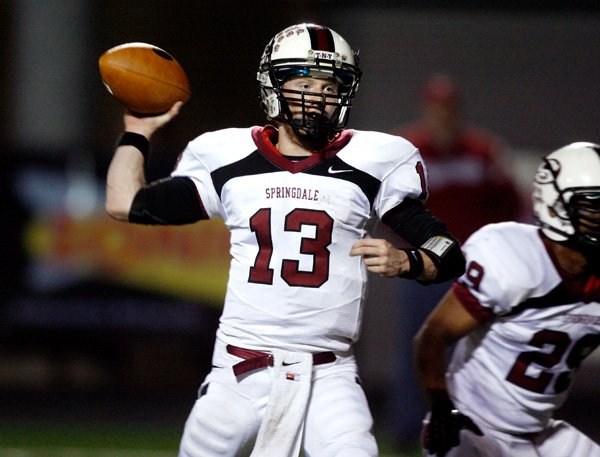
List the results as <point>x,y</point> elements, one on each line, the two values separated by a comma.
<point>445,424</point>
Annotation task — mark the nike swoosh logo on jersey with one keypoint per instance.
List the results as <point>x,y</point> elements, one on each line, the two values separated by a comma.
<point>332,171</point>
<point>287,364</point>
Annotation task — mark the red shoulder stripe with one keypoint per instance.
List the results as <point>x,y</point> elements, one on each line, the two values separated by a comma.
<point>471,304</point>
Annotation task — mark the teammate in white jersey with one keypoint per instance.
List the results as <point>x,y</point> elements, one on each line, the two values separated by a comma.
<point>296,196</point>
<point>524,315</point>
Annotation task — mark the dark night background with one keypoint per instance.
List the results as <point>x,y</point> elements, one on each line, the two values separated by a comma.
<point>82,337</point>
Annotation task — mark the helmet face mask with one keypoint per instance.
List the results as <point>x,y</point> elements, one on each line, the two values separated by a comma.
<point>566,197</point>
<point>584,209</point>
<point>308,51</point>
<point>312,117</point>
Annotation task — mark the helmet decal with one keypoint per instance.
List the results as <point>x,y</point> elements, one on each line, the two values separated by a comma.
<point>548,172</point>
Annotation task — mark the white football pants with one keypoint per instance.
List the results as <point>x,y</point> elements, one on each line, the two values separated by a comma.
<point>227,415</point>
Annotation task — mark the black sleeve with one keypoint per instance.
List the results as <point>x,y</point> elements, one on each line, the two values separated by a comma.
<point>413,222</point>
<point>417,225</point>
<point>169,201</point>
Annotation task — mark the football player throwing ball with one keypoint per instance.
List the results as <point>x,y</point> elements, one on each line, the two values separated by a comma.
<point>296,195</point>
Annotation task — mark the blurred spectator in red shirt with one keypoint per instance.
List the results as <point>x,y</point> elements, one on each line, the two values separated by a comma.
<point>468,184</point>
<point>469,187</point>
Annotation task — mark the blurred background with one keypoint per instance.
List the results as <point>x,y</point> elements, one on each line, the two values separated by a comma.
<point>106,329</point>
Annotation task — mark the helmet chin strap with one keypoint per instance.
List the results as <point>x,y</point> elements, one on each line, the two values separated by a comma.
<point>593,258</point>
<point>316,126</point>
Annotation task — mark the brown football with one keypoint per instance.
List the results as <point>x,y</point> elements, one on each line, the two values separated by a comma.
<point>144,78</point>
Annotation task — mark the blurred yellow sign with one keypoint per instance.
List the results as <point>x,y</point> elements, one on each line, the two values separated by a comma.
<point>190,261</point>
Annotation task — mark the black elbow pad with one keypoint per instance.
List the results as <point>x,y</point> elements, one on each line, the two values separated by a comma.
<point>169,201</point>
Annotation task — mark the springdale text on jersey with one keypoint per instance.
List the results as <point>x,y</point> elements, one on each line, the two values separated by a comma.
<point>292,192</point>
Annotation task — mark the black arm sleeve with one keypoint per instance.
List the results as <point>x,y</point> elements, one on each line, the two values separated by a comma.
<point>169,201</point>
<point>417,225</point>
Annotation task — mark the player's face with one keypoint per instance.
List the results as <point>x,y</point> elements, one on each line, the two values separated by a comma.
<point>315,95</point>
<point>589,217</point>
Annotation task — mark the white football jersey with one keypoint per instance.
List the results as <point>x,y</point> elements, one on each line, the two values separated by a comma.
<point>538,324</point>
<point>292,283</point>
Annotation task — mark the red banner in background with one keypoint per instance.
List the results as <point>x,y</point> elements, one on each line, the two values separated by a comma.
<point>190,261</point>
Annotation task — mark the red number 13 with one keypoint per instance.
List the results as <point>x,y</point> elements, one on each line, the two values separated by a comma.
<point>260,224</point>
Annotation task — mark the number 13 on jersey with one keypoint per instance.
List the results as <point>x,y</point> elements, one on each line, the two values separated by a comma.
<point>317,247</point>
